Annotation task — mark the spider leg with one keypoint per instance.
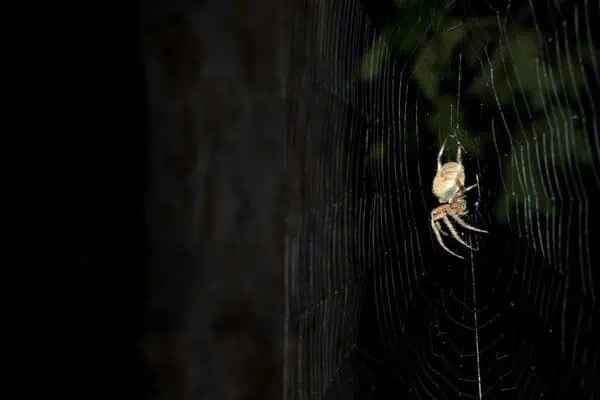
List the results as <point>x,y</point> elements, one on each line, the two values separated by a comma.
<point>440,241</point>
<point>453,216</point>
<point>439,157</point>
<point>454,233</point>
<point>459,154</point>
<point>439,227</point>
<point>465,225</point>
<point>470,187</point>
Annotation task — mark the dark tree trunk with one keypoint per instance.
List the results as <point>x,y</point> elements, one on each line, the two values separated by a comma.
<point>215,197</point>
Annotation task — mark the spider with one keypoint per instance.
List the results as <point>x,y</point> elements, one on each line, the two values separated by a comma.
<point>449,188</point>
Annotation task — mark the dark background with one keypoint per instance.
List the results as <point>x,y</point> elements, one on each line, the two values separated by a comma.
<point>173,209</point>
<point>177,188</point>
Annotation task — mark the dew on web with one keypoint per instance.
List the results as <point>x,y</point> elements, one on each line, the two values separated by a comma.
<point>374,305</point>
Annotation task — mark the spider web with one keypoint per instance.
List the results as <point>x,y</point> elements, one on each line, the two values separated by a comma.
<point>374,307</point>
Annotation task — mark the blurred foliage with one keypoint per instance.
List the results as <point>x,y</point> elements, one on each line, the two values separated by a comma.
<point>373,59</point>
<point>414,20</point>
<point>526,180</point>
<point>517,68</point>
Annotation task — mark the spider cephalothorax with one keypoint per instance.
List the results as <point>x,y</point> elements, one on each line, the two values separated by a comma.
<point>449,188</point>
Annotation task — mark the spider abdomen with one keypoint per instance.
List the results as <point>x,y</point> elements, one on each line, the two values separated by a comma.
<point>448,181</point>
